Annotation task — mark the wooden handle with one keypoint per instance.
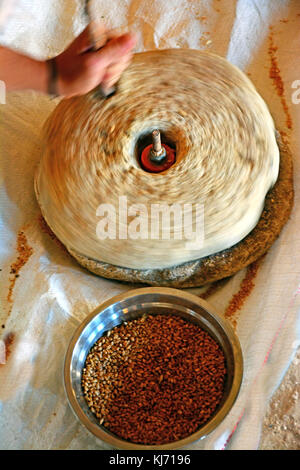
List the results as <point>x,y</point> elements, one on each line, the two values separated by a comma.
<point>97,42</point>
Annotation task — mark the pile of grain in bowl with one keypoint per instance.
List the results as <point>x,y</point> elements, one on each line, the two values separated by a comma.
<point>155,379</point>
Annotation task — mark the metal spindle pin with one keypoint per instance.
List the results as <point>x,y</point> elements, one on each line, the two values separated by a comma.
<point>158,152</point>
<point>157,157</point>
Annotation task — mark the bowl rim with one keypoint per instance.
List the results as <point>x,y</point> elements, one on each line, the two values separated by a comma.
<point>118,443</point>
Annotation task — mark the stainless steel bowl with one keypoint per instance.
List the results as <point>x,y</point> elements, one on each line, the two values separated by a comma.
<point>126,307</point>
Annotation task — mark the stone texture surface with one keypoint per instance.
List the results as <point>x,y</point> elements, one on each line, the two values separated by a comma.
<point>281,426</point>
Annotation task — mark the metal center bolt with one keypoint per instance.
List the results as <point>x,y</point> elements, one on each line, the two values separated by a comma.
<point>157,152</point>
<point>157,157</point>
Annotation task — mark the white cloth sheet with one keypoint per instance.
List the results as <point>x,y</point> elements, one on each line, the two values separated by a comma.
<point>53,294</point>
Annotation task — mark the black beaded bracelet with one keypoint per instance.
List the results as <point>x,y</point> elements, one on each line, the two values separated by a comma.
<point>52,77</point>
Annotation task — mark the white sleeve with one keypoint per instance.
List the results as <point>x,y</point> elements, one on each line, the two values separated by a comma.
<point>6,11</point>
<point>40,29</point>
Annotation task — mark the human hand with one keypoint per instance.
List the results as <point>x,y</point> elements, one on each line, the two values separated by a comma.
<point>81,69</point>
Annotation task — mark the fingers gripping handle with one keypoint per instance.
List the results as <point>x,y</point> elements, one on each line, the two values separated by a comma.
<point>97,42</point>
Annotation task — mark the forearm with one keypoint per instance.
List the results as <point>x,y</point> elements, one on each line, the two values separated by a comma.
<point>19,72</point>
<point>76,71</point>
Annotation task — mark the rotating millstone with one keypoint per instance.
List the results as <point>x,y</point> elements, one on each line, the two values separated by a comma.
<point>222,136</point>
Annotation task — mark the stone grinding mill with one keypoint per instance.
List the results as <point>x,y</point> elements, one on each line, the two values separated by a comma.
<point>184,127</point>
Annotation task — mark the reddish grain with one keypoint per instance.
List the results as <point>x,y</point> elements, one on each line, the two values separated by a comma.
<point>247,285</point>
<point>154,380</point>
<point>24,252</point>
<point>274,74</point>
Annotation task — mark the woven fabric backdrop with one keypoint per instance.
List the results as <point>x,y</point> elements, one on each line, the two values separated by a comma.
<point>45,294</point>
